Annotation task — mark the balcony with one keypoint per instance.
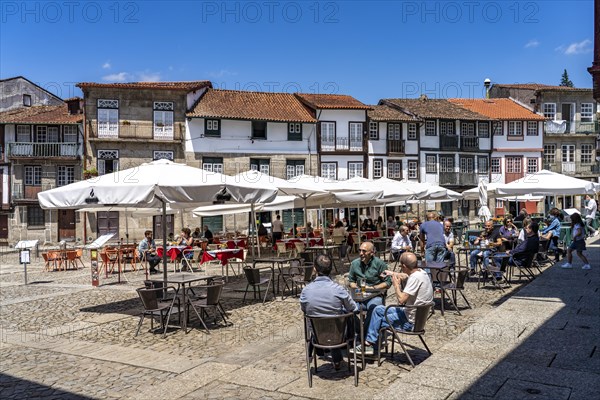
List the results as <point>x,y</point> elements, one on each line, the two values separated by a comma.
<point>469,143</point>
<point>29,150</point>
<point>26,192</point>
<point>137,131</point>
<point>396,146</point>
<point>342,144</point>
<point>458,179</point>
<point>573,168</point>
<point>448,142</point>
<point>568,127</point>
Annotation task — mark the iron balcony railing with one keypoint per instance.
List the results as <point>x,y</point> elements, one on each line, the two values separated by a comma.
<point>573,168</point>
<point>141,131</point>
<point>342,144</point>
<point>568,127</point>
<point>469,143</point>
<point>43,150</point>
<point>396,146</point>
<point>449,142</point>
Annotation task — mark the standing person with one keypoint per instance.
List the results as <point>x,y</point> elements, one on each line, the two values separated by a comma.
<point>449,240</point>
<point>432,239</point>
<point>417,291</point>
<point>369,269</point>
<point>277,229</point>
<point>325,298</point>
<point>552,233</point>
<point>591,207</point>
<point>147,251</point>
<point>578,243</point>
<point>400,242</point>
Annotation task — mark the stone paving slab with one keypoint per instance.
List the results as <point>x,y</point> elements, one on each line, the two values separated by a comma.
<point>260,379</point>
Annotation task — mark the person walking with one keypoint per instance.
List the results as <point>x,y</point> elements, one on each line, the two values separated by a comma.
<point>277,229</point>
<point>578,243</point>
<point>591,207</point>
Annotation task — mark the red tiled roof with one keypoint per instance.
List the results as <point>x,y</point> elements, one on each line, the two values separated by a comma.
<point>190,86</point>
<point>386,113</point>
<point>257,106</point>
<point>331,101</point>
<point>40,115</point>
<point>538,86</point>
<point>433,108</point>
<point>505,109</point>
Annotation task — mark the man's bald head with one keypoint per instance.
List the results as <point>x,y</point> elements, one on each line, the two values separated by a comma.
<point>409,260</point>
<point>431,216</point>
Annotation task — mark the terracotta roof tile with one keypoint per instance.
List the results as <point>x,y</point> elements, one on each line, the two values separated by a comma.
<point>386,113</point>
<point>433,108</point>
<point>258,106</point>
<point>539,86</point>
<point>40,115</point>
<point>331,101</point>
<point>505,109</point>
<point>190,86</point>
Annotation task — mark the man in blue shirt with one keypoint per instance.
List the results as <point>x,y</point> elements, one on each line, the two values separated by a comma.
<point>432,237</point>
<point>552,233</point>
<point>325,298</point>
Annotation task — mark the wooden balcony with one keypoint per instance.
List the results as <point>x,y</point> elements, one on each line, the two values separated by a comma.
<point>136,132</point>
<point>396,146</point>
<point>28,193</point>
<point>449,142</point>
<point>31,150</point>
<point>469,143</point>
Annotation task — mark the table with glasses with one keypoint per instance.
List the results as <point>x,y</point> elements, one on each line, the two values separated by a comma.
<point>361,299</point>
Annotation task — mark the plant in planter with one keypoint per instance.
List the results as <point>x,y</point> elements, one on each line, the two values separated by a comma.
<point>90,172</point>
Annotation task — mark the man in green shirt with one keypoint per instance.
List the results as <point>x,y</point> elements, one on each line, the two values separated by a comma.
<point>371,269</point>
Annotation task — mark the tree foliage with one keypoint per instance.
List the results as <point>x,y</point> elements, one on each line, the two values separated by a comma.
<point>564,79</point>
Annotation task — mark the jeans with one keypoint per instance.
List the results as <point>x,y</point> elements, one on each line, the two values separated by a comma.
<point>370,306</point>
<point>473,258</point>
<point>451,257</point>
<point>435,253</point>
<point>396,316</point>
<point>588,225</point>
<point>153,260</point>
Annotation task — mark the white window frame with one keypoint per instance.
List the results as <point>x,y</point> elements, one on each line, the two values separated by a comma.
<point>495,165</point>
<point>329,170</point>
<point>327,136</point>
<point>498,128</point>
<point>355,169</point>
<point>41,134</point>
<point>483,129</point>
<point>467,129</point>
<point>213,166</point>
<point>532,165</point>
<point>515,128</point>
<point>532,128</point>
<point>295,169</point>
<point>587,151</point>
<point>107,155</point>
<point>514,165</point>
<point>466,165</point>
<point>163,120</point>
<point>108,118</point>
<point>163,155</point>
<point>430,128</point>
<point>53,134</point>
<point>32,175</point>
<point>412,131</point>
<point>412,169</point>
<point>568,153</point>
<point>587,112</point>
<point>549,151</point>
<point>394,131</point>
<point>394,169</point>
<point>65,174</point>
<point>373,130</point>
<point>70,133</point>
<point>430,164</point>
<point>22,131</point>
<point>549,110</point>
<point>483,166</point>
<point>447,164</point>
<point>377,169</point>
<point>356,136</point>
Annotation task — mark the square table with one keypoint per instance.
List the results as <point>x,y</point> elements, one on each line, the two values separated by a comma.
<point>328,250</point>
<point>223,255</point>
<point>362,298</point>
<point>274,260</point>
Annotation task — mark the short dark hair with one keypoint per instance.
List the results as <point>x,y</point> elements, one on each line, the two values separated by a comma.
<point>323,265</point>
<point>535,227</point>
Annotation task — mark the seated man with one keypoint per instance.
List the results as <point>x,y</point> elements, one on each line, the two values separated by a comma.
<point>369,268</point>
<point>324,298</point>
<point>525,249</point>
<point>449,239</point>
<point>552,232</point>
<point>401,242</point>
<point>417,291</point>
<point>489,239</point>
<point>147,251</point>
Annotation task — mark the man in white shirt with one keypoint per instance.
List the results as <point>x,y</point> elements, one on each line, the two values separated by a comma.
<point>591,209</point>
<point>401,242</point>
<point>277,229</point>
<point>449,238</point>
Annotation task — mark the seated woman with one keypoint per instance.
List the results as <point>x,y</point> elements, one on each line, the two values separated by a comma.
<point>508,233</point>
<point>185,239</point>
<point>339,230</point>
<point>552,232</point>
<point>294,230</point>
<point>309,230</point>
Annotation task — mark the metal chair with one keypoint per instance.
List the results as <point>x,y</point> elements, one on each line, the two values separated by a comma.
<point>301,276</point>
<point>421,315</point>
<point>457,285</point>
<point>152,306</point>
<point>254,279</point>
<point>282,250</point>
<point>211,300</point>
<point>327,333</point>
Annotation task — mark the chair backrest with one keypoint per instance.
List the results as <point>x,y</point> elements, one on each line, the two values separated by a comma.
<point>45,256</point>
<point>300,246</point>
<point>252,275</point>
<point>308,272</point>
<point>338,239</point>
<point>149,297</point>
<point>213,293</point>
<point>421,315</point>
<point>461,277</point>
<point>79,253</point>
<point>281,247</point>
<point>379,245</point>
<point>331,331</point>
<point>440,275</point>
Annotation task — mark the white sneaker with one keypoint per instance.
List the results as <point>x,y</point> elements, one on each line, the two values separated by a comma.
<point>596,233</point>
<point>586,266</point>
<point>567,265</point>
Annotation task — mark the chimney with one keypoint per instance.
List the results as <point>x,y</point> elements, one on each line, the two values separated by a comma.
<point>75,105</point>
<point>423,97</point>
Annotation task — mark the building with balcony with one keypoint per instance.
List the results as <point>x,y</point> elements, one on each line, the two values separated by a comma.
<point>570,128</point>
<point>43,147</point>
<point>231,131</point>
<point>341,134</point>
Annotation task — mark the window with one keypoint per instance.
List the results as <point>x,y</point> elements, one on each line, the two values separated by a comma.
<point>377,169</point>
<point>163,120</point>
<point>212,127</point>
<point>515,128</point>
<point>532,165</point>
<point>259,129</point>
<point>108,118</point>
<point>447,128</point>
<point>587,111</point>
<point>212,164</point>
<point>327,136</point>
<point>532,128</point>
<point>394,131</point>
<point>294,168</point>
<point>466,165</point>
<point>467,129</point>
<point>413,171</point>
<point>568,153</point>
<point>355,169</point>
<point>260,164</point>
<point>356,135</point>
<point>549,110</point>
<point>412,131</point>
<point>163,155</point>
<point>329,170</point>
<point>587,153</point>
<point>549,153</point>
<point>23,133</point>
<point>65,175</point>
<point>483,129</point>
<point>35,216</point>
<point>482,165</point>
<point>497,128</point>
<point>373,130</point>
<point>394,169</point>
<point>431,163</point>
<point>514,165</point>
<point>446,164</point>
<point>53,134</point>
<point>41,134</point>
<point>70,133</point>
<point>429,128</point>
<point>27,100</point>
<point>294,131</point>
<point>495,165</point>
<point>33,175</point>
<point>108,161</point>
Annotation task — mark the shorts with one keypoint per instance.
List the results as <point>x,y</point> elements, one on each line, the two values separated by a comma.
<point>577,245</point>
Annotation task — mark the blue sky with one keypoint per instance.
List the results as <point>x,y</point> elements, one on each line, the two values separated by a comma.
<point>369,50</point>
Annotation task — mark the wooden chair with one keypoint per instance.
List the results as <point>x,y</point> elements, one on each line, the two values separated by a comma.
<point>282,250</point>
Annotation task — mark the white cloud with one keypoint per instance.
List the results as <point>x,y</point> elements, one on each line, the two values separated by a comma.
<point>221,73</point>
<point>532,43</point>
<point>149,76</point>
<point>583,47</point>
<point>106,65</point>
<point>119,77</point>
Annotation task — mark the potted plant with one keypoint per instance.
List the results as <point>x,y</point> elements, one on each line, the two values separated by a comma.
<point>90,172</point>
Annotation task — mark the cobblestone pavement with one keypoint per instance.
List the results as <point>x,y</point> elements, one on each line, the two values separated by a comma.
<point>60,337</point>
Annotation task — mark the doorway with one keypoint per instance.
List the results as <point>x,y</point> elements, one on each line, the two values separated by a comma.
<point>66,225</point>
<point>567,110</point>
<point>108,222</point>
